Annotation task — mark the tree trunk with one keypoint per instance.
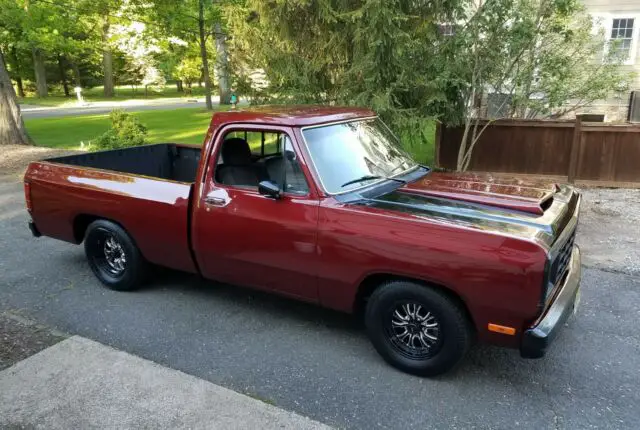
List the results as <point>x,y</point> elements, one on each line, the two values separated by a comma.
<point>20,86</point>
<point>63,77</point>
<point>179,86</point>
<point>12,129</point>
<point>462,151</point>
<point>222,64</point>
<point>76,74</point>
<point>40,72</point>
<point>107,59</point>
<point>18,71</point>
<point>203,54</point>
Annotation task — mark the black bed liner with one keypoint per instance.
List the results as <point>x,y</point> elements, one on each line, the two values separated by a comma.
<point>163,160</point>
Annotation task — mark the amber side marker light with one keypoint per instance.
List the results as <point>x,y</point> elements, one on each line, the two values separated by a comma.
<point>502,329</point>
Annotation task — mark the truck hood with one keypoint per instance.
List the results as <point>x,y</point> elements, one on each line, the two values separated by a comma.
<point>532,210</point>
<point>507,193</point>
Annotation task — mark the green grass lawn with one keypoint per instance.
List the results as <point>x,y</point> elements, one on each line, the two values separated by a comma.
<point>421,145</point>
<point>95,94</point>
<point>173,125</point>
<point>177,125</point>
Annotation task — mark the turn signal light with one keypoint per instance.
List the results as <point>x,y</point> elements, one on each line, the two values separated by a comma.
<point>502,329</point>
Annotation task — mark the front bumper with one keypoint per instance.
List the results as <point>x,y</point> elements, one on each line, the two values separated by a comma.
<point>536,339</point>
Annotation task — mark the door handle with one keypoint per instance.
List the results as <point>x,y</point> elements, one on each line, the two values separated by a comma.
<point>215,201</point>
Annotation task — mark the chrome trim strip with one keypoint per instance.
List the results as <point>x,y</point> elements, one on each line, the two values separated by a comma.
<point>472,211</point>
<point>315,169</point>
<point>501,233</point>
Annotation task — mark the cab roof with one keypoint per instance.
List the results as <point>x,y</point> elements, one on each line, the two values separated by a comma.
<point>295,116</point>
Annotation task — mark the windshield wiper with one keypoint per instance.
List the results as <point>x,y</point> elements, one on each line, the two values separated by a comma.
<point>370,177</point>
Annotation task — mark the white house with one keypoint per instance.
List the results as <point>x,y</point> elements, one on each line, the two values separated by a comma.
<point>621,21</point>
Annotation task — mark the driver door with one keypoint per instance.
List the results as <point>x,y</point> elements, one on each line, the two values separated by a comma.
<point>245,238</point>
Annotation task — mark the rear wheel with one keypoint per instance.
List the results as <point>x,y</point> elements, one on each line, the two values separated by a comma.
<point>113,256</point>
<point>416,328</point>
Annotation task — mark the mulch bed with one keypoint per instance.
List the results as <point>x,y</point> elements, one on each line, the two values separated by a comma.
<point>20,338</point>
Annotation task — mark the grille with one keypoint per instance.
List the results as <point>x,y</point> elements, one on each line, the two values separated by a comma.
<point>561,263</point>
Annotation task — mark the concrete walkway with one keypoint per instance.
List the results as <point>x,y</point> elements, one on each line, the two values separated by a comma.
<point>79,383</point>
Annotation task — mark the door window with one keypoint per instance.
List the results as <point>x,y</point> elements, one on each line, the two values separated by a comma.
<point>284,169</point>
<point>248,157</point>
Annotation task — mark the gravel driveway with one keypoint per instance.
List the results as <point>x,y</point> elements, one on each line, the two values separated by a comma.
<point>609,231</point>
<point>320,364</point>
<point>14,159</point>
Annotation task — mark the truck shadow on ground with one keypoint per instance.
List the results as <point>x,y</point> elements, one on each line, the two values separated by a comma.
<point>483,361</point>
<point>253,300</point>
<point>183,312</point>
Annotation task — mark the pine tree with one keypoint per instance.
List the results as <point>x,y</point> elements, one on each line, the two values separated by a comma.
<point>380,54</point>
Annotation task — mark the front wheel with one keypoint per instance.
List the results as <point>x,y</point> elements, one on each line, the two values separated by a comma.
<point>113,256</point>
<point>416,328</point>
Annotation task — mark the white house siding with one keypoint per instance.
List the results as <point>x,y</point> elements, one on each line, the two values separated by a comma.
<point>611,5</point>
<point>605,11</point>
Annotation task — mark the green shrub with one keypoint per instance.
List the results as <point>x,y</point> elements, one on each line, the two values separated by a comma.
<point>126,131</point>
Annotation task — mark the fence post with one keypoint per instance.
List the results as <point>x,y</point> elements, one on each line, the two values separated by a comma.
<point>575,150</point>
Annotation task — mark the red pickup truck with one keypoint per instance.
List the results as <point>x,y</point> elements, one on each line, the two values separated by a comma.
<point>321,204</point>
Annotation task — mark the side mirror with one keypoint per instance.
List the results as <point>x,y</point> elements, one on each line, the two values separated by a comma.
<point>269,189</point>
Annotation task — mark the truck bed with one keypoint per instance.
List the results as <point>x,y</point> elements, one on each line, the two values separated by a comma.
<point>145,189</point>
<point>164,160</point>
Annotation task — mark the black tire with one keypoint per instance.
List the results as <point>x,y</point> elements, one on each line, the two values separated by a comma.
<point>121,274</point>
<point>438,317</point>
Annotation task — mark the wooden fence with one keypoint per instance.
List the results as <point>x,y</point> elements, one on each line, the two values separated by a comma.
<point>584,152</point>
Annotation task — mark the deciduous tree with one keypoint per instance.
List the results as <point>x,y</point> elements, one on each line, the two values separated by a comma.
<point>12,130</point>
<point>541,58</point>
<point>188,71</point>
<point>192,21</point>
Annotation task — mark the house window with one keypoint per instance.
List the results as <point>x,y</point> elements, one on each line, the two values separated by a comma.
<point>622,33</point>
<point>447,29</point>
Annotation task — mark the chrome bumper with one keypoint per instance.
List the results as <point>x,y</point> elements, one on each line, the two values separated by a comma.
<point>536,339</point>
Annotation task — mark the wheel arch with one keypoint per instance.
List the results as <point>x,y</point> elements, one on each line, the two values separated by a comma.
<point>372,281</point>
<point>82,221</point>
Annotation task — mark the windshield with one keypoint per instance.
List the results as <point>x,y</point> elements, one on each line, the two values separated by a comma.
<point>347,152</point>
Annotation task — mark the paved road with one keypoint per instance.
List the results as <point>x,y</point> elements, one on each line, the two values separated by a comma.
<point>319,363</point>
<point>31,111</point>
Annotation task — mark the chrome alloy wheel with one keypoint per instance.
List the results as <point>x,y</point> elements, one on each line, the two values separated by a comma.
<point>413,331</point>
<point>114,256</point>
